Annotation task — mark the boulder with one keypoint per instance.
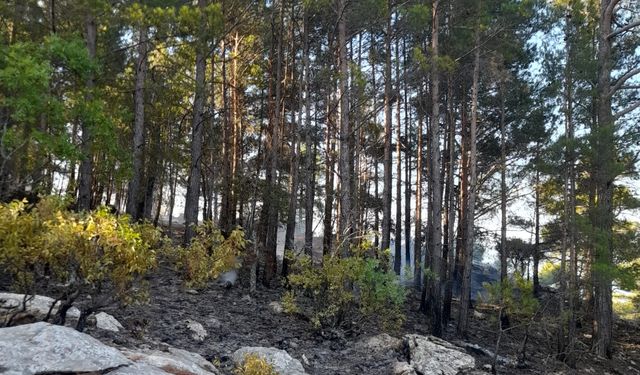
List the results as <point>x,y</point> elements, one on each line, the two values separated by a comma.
<point>198,333</point>
<point>37,305</point>
<point>46,348</point>
<point>41,348</point>
<point>430,355</point>
<point>107,322</point>
<point>173,361</point>
<point>403,368</point>
<point>281,361</point>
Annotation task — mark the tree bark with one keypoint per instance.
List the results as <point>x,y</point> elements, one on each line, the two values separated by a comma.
<point>417,247</point>
<point>387,171</point>
<point>346,157</point>
<point>435,241</point>
<point>134,191</point>
<point>465,292</point>
<point>397,264</point>
<point>86,164</point>
<point>193,182</point>
<point>270,209</point>
<point>604,174</point>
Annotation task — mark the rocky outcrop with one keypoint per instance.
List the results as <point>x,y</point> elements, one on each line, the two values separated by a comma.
<point>38,307</point>
<point>281,361</point>
<point>41,348</point>
<point>172,361</point>
<point>429,355</point>
<point>45,348</point>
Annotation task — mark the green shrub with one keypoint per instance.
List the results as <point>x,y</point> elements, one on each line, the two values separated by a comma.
<point>253,364</point>
<point>96,258</point>
<point>345,290</point>
<point>514,295</point>
<point>208,255</point>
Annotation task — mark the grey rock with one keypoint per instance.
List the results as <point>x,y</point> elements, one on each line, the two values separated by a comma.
<point>193,358</point>
<point>38,305</point>
<point>403,368</point>
<point>138,369</point>
<point>305,360</point>
<point>214,323</point>
<point>281,361</point>
<point>107,322</point>
<point>433,356</point>
<point>276,307</point>
<point>46,348</point>
<point>174,361</point>
<point>198,332</point>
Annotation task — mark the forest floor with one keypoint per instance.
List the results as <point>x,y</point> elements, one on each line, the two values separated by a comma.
<point>233,319</point>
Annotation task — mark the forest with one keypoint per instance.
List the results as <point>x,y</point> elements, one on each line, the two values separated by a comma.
<point>319,186</point>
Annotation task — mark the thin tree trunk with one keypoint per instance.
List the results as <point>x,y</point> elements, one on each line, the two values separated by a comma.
<point>450,202</point>
<point>503,188</point>
<point>270,201</point>
<point>346,158</point>
<point>570,205</point>
<point>197,125</point>
<point>435,241</point>
<point>134,191</point>
<point>329,180</point>
<point>387,171</point>
<point>310,146</point>
<point>407,161</point>
<point>465,292</point>
<point>397,264</point>
<point>604,175</point>
<point>86,164</point>
<point>417,247</point>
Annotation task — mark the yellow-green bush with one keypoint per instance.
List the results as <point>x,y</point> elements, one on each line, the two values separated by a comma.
<point>344,291</point>
<point>208,255</point>
<point>514,295</point>
<point>253,364</point>
<point>96,256</point>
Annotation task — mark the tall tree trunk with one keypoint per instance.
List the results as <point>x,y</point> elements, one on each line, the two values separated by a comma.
<point>604,173</point>
<point>407,161</point>
<point>310,160</point>
<point>570,205</point>
<point>227,210</point>
<point>503,187</point>
<point>450,208</point>
<point>465,292</point>
<point>435,241</point>
<point>417,247</point>
<point>270,209</point>
<point>86,164</point>
<point>197,126</point>
<point>346,158</point>
<point>397,264</point>
<point>293,167</point>
<point>387,171</point>
<point>536,244</point>
<point>134,191</point>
